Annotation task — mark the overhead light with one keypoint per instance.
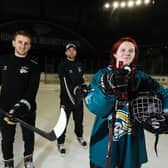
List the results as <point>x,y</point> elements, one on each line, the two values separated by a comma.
<point>138,2</point>
<point>127,3</point>
<point>130,3</point>
<point>122,4</point>
<point>107,5</point>
<point>116,4</point>
<point>146,1</point>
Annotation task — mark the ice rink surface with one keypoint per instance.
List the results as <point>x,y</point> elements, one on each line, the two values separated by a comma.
<point>46,154</point>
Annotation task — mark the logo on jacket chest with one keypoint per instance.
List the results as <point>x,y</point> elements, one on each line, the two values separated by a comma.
<point>5,68</point>
<point>79,69</point>
<point>24,70</point>
<point>70,71</point>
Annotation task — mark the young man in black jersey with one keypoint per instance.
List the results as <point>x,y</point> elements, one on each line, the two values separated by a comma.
<point>71,79</point>
<point>20,81</point>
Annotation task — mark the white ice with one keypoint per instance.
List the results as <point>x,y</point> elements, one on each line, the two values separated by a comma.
<point>46,154</point>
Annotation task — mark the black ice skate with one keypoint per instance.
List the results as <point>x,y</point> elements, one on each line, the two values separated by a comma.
<point>9,163</point>
<point>82,141</point>
<point>61,148</point>
<point>28,161</point>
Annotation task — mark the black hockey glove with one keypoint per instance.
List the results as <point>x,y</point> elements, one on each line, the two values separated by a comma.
<point>157,124</point>
<point>106,84</point>
<point>19,110</point>
<point>81,90</point>
<point>120,78</point>
<point>115,79</point>
<point>9,120</point>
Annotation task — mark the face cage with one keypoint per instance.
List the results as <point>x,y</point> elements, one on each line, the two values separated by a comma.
<point>145,107</point>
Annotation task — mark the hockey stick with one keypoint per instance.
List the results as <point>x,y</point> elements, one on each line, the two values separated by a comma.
<point>54,134</point>
<point>121,94</point>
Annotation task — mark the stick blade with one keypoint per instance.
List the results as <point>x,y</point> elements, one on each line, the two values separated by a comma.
<point>61,124</point>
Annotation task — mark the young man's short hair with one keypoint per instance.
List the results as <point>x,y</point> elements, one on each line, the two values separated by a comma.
<point>23,33</point>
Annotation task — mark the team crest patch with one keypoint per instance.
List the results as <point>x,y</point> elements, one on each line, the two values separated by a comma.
<point>79,69</point>
<point>24,70</point>
<point>70,71</point>
<point>5,68</point>
<point>122,125</point>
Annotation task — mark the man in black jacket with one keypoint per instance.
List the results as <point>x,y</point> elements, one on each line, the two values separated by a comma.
<point>20,75</point>
<point>71,80</point>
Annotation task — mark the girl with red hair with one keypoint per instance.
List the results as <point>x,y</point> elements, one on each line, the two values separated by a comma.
<point>115,141</point>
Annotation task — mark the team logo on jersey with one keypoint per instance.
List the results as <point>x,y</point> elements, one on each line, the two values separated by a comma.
<point>5,68</point>
<point>70,71</point>
<point>79,69</point>
<point>24,70</point>
<point>122,125</point>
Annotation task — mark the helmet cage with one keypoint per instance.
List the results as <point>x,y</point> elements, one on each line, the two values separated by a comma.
<point>146,106</point>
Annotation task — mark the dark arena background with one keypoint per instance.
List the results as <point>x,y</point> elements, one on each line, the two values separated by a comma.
<point>91,26</point>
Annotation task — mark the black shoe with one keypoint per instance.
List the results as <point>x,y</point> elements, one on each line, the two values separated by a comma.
<point>61,148</point>
<point>82,141</point>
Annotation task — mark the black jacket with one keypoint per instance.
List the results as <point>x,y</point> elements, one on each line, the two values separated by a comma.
<point>70,75</point>
<point>19,80</point>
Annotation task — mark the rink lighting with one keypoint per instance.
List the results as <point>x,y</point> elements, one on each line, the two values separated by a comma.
<point>138,2</point>
<point>115,4</point>
<point>146,1</point>
<point>130,3</point>
<point>127,3</point>
<point>123,4</point>
<point>106,5</point>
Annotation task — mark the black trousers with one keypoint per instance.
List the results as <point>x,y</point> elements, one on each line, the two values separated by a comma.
<point>8,137</point>
<point>77,113</point>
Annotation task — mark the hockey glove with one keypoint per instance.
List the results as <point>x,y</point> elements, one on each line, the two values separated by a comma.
<point>81,90</point>
<point>9,121</point>
<point>19,110</point>
<point>117,78</point>
<point>156,124</point>
<point>105,83</point>
<point>120,78</point>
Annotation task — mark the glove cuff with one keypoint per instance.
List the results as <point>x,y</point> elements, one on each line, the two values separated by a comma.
<point>75,89</point>
<point>25,102</point>
<point>105,86</point>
